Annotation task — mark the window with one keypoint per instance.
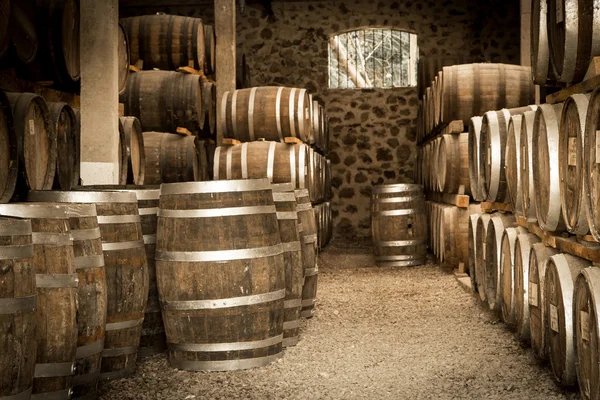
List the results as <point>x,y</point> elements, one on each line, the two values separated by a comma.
<point>373,58</point>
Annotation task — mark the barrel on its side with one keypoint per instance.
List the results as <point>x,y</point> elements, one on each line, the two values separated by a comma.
<point>507,274</point>
<point>123,52</point>
<point>9,162</point>
<point>526,166</point>
<point>493,252</point>
<point>210,42</point>
<point>480,253</point>
<point>453,164</point>
<point>64,123</point>
<point>512,166</point>
<point>473,218</point>
<point>132,142</point>
<point>540,50</point>
<point>170,158</point>
<point>474,152</point>
<point>523,246</point>
<point>591,163</point>
<point>306,218</point>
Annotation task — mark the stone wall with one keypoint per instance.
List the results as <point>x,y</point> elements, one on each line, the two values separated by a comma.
<point>372,131</point>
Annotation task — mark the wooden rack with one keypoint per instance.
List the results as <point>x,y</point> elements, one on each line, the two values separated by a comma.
<point>458,200</point>
<point>11,83</point>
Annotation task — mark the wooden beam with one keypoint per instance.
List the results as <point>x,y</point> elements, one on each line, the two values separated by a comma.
<point>225,53</point>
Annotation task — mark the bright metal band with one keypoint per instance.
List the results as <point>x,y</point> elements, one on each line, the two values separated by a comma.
<point>118,219</point>
<point>86,234</point>
<point>244,161</point>
<point>122,245</point>
<point>52,239</point>
<point>271,160</point>
<point>293,164</point>
<point>86,378</point>
<point>291,325</point>
<point>222,347</point>
<point>145,194</point>
<point>15,252</point>
<point>89,262</point>
<point>300,113</point>
<point>301,165</point>
<point>290,341</point>
<point>291,246</point>
<point>310,238</point>
<point>228,159</point>
<point>224,113</point>
<point>217,212</point>
<point>89,349</point>
<point>119,351</point>
<point>396,199</point>
<point>311,271</point>
<point>15,227</point>
<point>234,113</point>
<point>251,114</point>
<point>399,187</point>
<point>223,303</point>
<point>229,186</point>
<point>303,207</point>
<point>41,210</point>
<point>122,373</point>
<point>25,395</point>
<point>394,213</point>
<point>292,303</point>
<point>216,163</point>
<point>398,243</point>
<point>308,302</point>
<point>278,112</point>
<point>287,215</point>
<point>150,239</point>
<point>283,192</point>
<point>397,258</point>
<point>227,365</point>
<point>219,255</point>
<point>17,305</point>
<point>59,395</point>
<point>148,211</point>
<point>50,370</point>
<point>56,281</point>
<point>117,326</point>
<point>291,112</point>
<point>82,197</point>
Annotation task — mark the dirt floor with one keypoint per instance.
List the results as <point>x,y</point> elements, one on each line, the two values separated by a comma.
<point>378,333</point>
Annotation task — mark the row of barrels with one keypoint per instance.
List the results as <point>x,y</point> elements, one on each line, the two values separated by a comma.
<point>460,92</point>
<point>548,297</point>
<point>324,222</point>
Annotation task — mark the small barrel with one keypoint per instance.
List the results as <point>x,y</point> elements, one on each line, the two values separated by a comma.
<point>123,51</point>
<point>24,36</point>
<point>480,253</point>
<point>561,273</point>
<point>591,161</point>
<point>210,42</point>
<point>571,163</point>
<point>165,100</point>
<point>398,222</point>
<point>512,166</point>
<point>222,231</point>
<point>453,164</point>
<point>132,142</point>
<point>538,257</point>
<point>306,218</point>
<point>170,158</point>
<point>9,161</point>
<point>287,217</point>
<point>493,252</point>
<point>523,246</point>
<point>56,285</point>
<point>17,308</point>
<point>540,50</point>
<point>473,218</point>
<point>526,164</point>
<point>506,283</point>
<point>5,26</point>
<point>64,123</point>
<point>209,101</point>
<point>166,42</point>
<point>267,112</point>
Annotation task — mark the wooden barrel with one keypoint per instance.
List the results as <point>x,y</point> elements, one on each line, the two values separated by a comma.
<point>5,26</point>
<point>37,141</point>
<point>209,99</point>
<point>474,152</point>
<point>170,158</point>
<point>538,258</point>
<point>473,89</point>
<point>591,163</point>
<point>572,37</point>
<point>523,246</point>
<point>209,49</point>
<point>473,218</point>
<point>540,50</point>
<point>279,162</point>
<point>123,52</point>
<point>453,164</point>
<point>585,329</point>
<point>9,162</point>
<point>132,142</point>
<point>56,283</point>
<point>398,224</point>
<point>492,145</point>
<point>17,308</point>
<point>166,42</point>
<point>24,36</point>
<point>506,283</point>
<point>493,257</point>
<point>220,232</point>
<point>512,166</point>
<point>64,124</point>
<point>526,166</point>
<point>306,218</point>
<point>164,101</point>
<point>561,273</point>
<point>480,253</point>
<point>545,167</point>
<point>269,112</point>
<point>287,217</point>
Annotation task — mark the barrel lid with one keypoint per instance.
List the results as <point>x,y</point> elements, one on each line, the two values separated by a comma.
<point>82,196</point>
<point>222,186</point>
<point>397,188</point>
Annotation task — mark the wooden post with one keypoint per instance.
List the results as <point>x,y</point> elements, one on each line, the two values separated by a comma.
<point>225,53</point>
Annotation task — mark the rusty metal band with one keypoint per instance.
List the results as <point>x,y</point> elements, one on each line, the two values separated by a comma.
<point>82,197</point>
<point>15,252</point>
<point>311,271</point>
<point>52,239</point>
<point>308,302</point>
<point>251,114</point>
<point>303,207</point>
<point>119,351</point>
<point>219,255</point>
<point>291,324</point>
<point>290,341</point>
<point>117,326</point>
<point>292,303</point>
<point>24,395</point>
<point>300,114</point>
<point>399,187</point>
<point>79,380</point>
<point>119,219</point>
<point>224,347</point>
<point>218,212</point>
<point>16,227</point>
<point>56,281</point>
<point>291,246</point>
<point>148,211</point>
<point>301,166</point>
<point>310,238</point>
<point>286,195</point>
<point>227,365</point>
<point>223,303</point>
<point>122,373</point>
<point>287,215</point>
<point>291,112</point>
<point>218,186</point>
<point>46,211</point>
<point>216,163</point>
<point>17,305</point>
<point>394,213</point>
<point>58,395</point>
<point>85,262</point>
<point>271,161</point>
<point>89,349</point>
<point>399,243</point>
<point>86,234</point>
<point>234,113</point>
<point>244,160</point>
<point>228,160</point>
<point>278,112</point>
<point>122,245</point>
<point>223,115</point>
<point>51,370</point>
<point>150,239</point>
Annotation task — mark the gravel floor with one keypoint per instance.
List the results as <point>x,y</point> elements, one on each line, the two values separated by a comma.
<point>404,333</point>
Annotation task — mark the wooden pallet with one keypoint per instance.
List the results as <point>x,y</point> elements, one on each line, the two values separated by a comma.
<point>459,200</point>
<point>487,207</point>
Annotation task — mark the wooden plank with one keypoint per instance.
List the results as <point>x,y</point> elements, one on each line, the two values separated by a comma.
<point>11,83</point>
<point>184,131</point>
<point>133,68</point>
<point>121,110</point>
<point>230,142</point>
<point>487,206</point>
<point>189,70</point>
<point>454,127</point>
<point>583,87</point>
<point>459,200</point>
<point>593,70</point>
<point>292,140</point>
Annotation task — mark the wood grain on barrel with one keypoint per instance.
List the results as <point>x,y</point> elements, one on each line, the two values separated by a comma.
<point>24,36</point>
<point>523,246</point>
<point>493,252</point>
<point>123,51</point>
<point>453,164</point>
<point>506,283</point>
<point>210,49</point>
<point>9,162</point>
<point>132,142</point>
<point>64,123</point>
<point>480,253</point>
<point>512,166</point>
<point>591,163</point>
<point>540,50</point>
<point>306,218</point>
<point>474,154</point>
<point>170,158</point>
<point>526,165</point>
